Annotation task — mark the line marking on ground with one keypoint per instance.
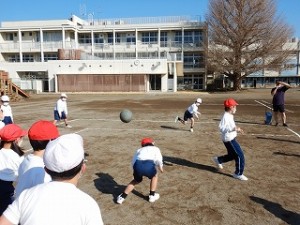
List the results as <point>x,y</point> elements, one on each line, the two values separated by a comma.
<point>172,130</point>
<point>151,121</point>
<point>289,129</point>
<point>270,104</point>
<point>263,104</point>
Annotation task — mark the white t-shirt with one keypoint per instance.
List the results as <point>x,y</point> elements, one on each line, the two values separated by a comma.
<point>31,173</point>
<point>58,203</point>
<point>193,109</point>
<point>227,126</point>
<point>9,164</point>
<point>6,109</point>
<point>148,153</point>
<point>61,106</point>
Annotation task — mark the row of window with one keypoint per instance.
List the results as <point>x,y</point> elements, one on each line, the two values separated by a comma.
<point>147,37</point>
<point>31,58</point>
<point>190,60</point>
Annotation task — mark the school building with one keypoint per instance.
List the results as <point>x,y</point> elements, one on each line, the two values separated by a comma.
<point>127,55</point>
<point>151,54</point>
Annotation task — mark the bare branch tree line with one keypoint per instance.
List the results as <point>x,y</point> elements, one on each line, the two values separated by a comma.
<point>246,36</point>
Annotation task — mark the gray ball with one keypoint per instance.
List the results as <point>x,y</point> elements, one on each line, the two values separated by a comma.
<point>125,115</point>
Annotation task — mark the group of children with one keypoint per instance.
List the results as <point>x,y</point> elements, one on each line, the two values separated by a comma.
<point>26,194</point>
<point>147,158</point>
<point>54,158</point>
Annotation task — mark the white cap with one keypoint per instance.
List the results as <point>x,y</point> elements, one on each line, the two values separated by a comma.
<point>199,100</point>
<point>63,95</point>
<point>4,98</point>
<point>64,153</point>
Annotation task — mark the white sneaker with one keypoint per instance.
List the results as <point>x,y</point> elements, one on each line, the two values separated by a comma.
<point>219,165</point>
<point>176,119</point>
<point>68,126</point>
<point>192,130</point>
<point>240,177</point>
<point>120,199</point>
<point>153,198</point>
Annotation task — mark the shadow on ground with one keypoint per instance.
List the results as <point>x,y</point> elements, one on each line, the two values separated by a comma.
<point>276,209</point>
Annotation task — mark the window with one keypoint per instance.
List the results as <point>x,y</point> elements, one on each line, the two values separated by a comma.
<point>98,38</point>
<point>149,37</point>
<point>27,58</point>
<point>193,60</point>
<point>130,40</point>
<point>163,39</point>
<point>84,38</point>
<point>10,36</point>
<point>178,37</point>
<point>50,56</point>
<point>13,58</point>
<point>195,37</point>
<point>52,36</point>
<point>110,38</point>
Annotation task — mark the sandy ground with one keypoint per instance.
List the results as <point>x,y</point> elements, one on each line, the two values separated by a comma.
<point>192,190</point>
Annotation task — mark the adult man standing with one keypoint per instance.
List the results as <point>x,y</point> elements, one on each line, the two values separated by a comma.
<point>278,101</point>
<point>58,202</point>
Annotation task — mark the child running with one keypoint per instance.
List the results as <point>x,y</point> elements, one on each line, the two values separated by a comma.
<point>189,114</point>
<point>229,132</point>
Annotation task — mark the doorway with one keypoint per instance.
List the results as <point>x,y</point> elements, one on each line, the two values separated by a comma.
<point>155,82</point>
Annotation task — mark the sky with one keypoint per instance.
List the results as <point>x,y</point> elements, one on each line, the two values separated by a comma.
<point>105,9</point>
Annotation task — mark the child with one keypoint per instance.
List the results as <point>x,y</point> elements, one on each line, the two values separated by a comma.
<point>229,132</point>
<point>144,163</point>
<point>11,156</point>
<point>31,171</point>
<point>61,110</point>
<point>6,110</point>
<point>191,111</point>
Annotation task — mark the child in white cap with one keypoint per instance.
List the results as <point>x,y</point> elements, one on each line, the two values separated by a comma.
<point>144,163</point>
<point>57,202</point>
<point>61,110</point>
<point>6,110</point>
<point>189,114</point>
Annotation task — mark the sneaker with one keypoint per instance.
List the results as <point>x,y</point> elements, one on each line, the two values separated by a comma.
<point>153,198</point>
<point>285,125</point>
<point>120,199</point>
<point>219,165</point>
<point>68,126</point>
<point>176,119</point>
<point>192,130</point>
<point>240,177</point>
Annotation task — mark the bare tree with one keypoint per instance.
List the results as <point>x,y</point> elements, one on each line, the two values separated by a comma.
<point>246,36</point>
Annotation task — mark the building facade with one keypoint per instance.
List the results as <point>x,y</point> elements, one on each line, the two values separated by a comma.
<point>290,72</point>
<point>134,54</point>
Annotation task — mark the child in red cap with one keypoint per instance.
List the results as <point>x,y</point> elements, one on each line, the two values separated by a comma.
<point>144,163</point>
<point>31,171</point>
<point>11,156</point>
<point>229,132</point>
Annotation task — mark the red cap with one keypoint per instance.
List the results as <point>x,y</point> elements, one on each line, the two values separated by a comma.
<point>11,132</point>
<point>43,130</point>
<point>146,141</point>
<point>230,102</point>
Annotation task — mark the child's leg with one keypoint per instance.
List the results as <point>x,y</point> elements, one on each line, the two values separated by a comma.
<point>239,158</point>
<point>153,183</point>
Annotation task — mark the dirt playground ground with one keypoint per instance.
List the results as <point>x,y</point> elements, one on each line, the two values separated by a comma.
<point>192,190</point>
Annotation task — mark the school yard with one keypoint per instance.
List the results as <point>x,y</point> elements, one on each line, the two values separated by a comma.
<point>192,190</point>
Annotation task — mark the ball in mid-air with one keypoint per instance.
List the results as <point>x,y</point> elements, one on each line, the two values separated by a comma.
<point>125,115</point>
